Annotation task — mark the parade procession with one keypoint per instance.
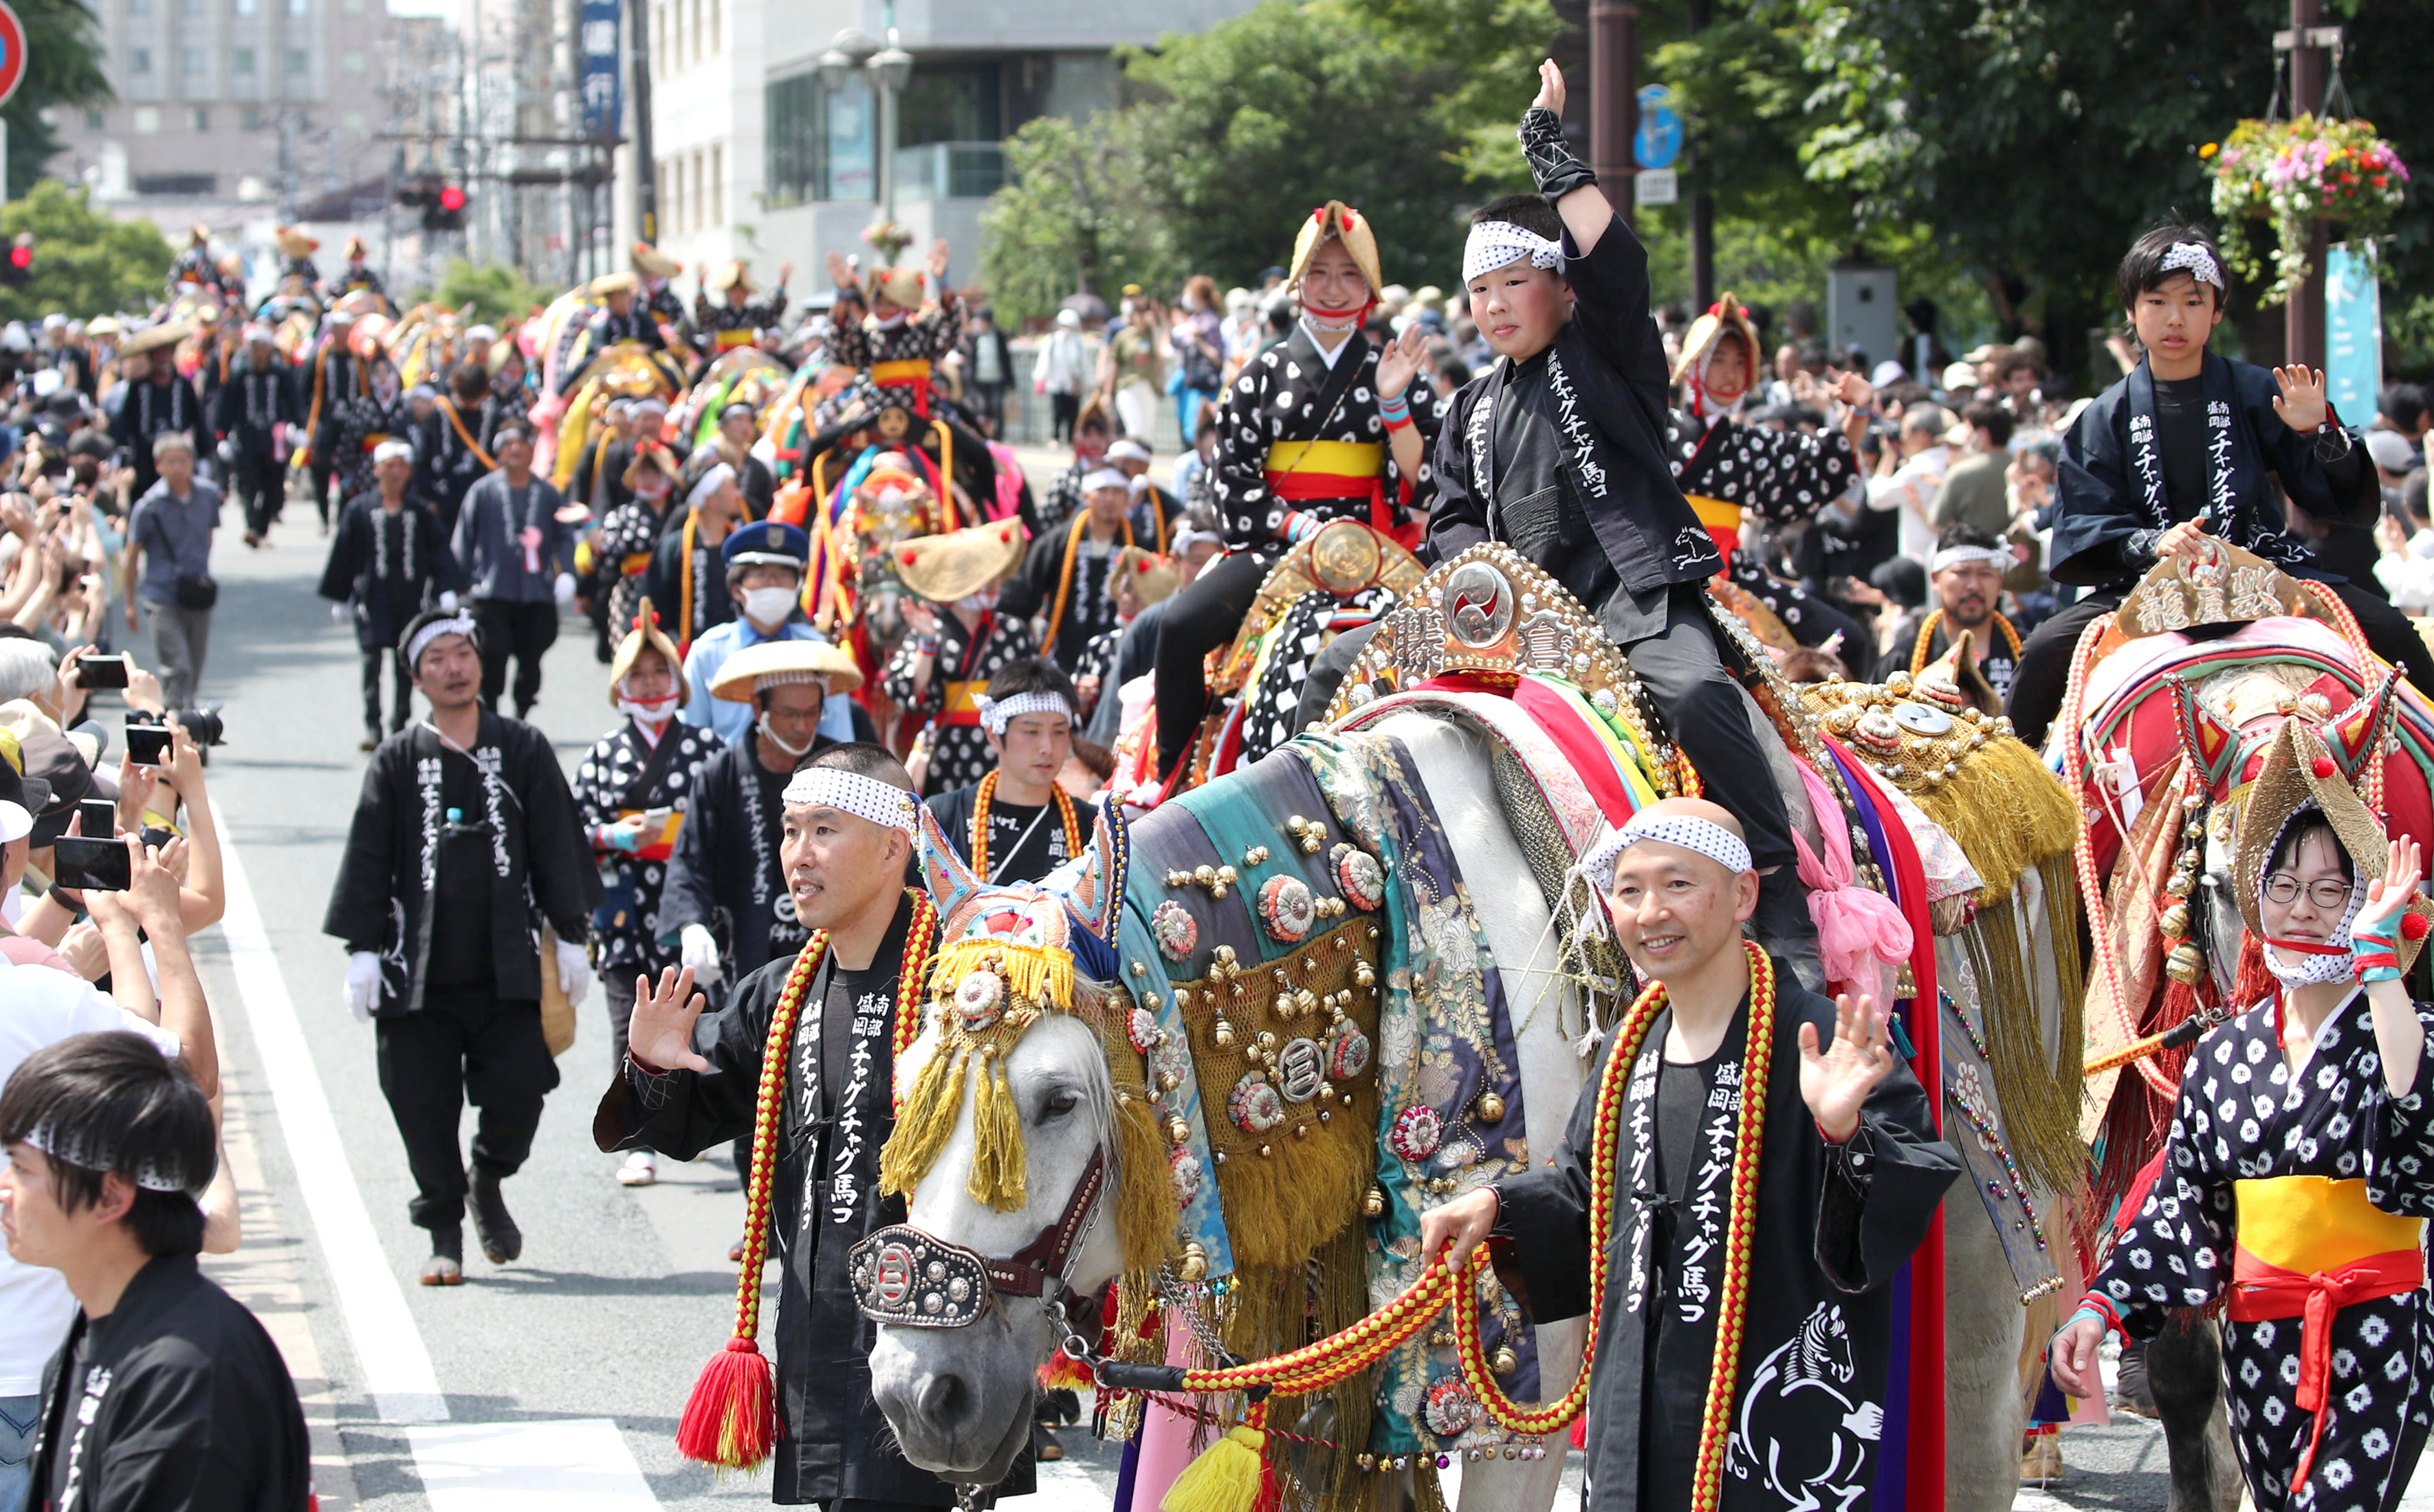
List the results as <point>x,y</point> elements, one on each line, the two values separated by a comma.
<point>1466,889</point>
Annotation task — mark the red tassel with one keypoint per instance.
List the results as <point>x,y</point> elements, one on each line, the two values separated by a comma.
<point>1272,1494</point>
<point>730,1420</point>
<point>1064,1373</point>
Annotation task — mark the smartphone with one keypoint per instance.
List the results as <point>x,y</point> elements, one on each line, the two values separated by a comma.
<point>85,864</point>
<point>148,745</point>
<point>103,671</point>
<point>101,817</point>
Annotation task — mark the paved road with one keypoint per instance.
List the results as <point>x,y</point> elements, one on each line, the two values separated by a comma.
<point>553,1383</point>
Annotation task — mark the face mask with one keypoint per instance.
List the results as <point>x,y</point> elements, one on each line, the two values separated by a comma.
<point>651,487</point>
<point>650,711</point>
<point>980,603</point>
<point>780,741</point>
<point>768,606</point>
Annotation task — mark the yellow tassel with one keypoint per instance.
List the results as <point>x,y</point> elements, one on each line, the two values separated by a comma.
<point>999,1176</point>
<point>1144,1186</point>
<point>1041,976</point>
<point>1225,1477</point>
<point>924,1124</point>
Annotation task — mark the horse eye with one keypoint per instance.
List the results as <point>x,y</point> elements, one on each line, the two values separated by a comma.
<point>1059,1102</point>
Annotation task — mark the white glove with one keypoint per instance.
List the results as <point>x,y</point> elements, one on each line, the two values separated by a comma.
<point>448,600</point>
<point>363,984</point>
<point>341,613</point>
<point>573,971</point>
<point>697,950</point>
<point>565,587</point>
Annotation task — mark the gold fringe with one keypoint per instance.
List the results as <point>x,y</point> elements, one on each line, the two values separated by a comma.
<point>1145,1188</point>
<point>1042,977</point>
<point>2005,810</point>
<point>1000,1166</point>
<point>1278,1208</point>
<point>1341,1287</point>
<point>925,1122</point>
<point>2040,1106</point>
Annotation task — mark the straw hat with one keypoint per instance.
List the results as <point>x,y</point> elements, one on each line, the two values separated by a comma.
<point>1726,315</point>
<point>732,275</point>
<point>898,285</point>
<point>353,250</point>
<point>775,662</point>
<point>1153,576</point>
<point>199,234</point>
<point>960,563</point>
<point>152,338</point>
<point>2299,773</point>
<point>1336,219</point>
<point>608,283</point>
<point>294,243</point>
<point>644,636</point>
<point>103,327</point>
<point>652,263</point>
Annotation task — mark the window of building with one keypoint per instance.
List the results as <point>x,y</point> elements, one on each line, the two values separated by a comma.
<point>241,61</point>
<point>700,190</point>
<point>354,8</point>
<point>675,201</point>
<point>819,142</point>
<point>177,183</point>
<point>249,118</point>
<point>139,7</point>
<point>718,184</point>
<point>247,8</point>
<point>148,120</point>
<point>354,63</point>
<point>190,62</point>
<point>298,63</point>
<point>693,38</point>
<point>190,8</point>
<point>949,102</point>
<point>300,8</point>
<point>139,59</point>
<point>199,119</point>
<point>93,120</point>
<point>717,12</point>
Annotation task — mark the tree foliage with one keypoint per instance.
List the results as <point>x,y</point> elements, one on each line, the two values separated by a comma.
<point>85,263</point>
<point>1072,216</point>
<point>499,294</point>
<point>63,69</point>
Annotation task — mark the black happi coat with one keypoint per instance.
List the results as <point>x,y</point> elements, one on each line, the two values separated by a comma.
<point>1289,394</point>
<point>959,753</point>
<point>726,873</point>
<point>664,580</point>
<point>190,1405</point>
<point>2243,1115</point>
<point>954,811</point>
<point>1608,391</point>
<point>381,902</point>
<point>448,461</point>
<point>252,401</point>
<point>1833,1223</point>
<point>620,773</point>
<point>833,1441</point>
<point>2114,504</point>
<point>150,409</point>
<point>711,317</point>
<point>390,567</point>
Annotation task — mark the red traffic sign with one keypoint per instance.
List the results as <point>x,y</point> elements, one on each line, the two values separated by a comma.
<point>12,52</point>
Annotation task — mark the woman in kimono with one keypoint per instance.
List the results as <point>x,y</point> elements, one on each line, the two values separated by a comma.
<point>2300,1168</point>
<point>958,642</point>
<point>364,421</point>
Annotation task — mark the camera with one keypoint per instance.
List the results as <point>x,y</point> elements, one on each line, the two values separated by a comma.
<point>202,724</point>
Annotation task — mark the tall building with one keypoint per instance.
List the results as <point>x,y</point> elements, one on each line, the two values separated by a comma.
<point>758,156</point>
<point>232,110</point>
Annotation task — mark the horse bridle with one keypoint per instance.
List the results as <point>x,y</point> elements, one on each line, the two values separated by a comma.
<point>915,1279</point>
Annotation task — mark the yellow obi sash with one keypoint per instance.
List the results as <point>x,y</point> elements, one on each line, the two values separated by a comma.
<point>740,337</point>
<point>632,562</point>
<point>960,709</point>
<point>2314,1222</point>
<point>903,370</point>
<point>662,845</point>
<point>1723,521</point>
<point>1324,470</point>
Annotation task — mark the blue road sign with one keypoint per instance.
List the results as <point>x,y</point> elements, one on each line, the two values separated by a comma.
<point>1658,142</point>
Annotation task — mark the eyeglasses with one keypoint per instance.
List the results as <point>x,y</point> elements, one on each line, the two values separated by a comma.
<point>2284,888</point>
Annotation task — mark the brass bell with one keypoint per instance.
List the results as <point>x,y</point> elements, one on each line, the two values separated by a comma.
<point>1373,1203</point>
<point>1195,1264</point>
<point>2174,921</point>
<point>2180,884</point>
<point>1505,1362</point>
<point>2185,963</point>
<point>1223,1035</point>
<point>1177,1131</point>
<point>1490,1107</point>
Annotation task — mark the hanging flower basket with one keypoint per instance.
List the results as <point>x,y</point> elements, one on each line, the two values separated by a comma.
<point>2294,173</point>
<point>889,238</point>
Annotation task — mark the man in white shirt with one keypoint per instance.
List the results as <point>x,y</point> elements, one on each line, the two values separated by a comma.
<point>1910,488</point>
<point>40,1005</point>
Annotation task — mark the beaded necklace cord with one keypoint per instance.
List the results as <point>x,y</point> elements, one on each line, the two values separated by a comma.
<point>1918,657</point>
<point>1065,574</point>
<point>1066,814</point>
<point>1328,1361</point>
<point>730,1420</point>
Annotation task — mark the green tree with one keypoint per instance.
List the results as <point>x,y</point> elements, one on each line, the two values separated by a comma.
<point>63,69</point>
<point>85,263</point>
<point>498,293</point>
<point>1072,216</point>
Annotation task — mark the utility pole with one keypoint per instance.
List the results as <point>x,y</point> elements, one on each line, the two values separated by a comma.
<point>1703,202</point>
<point>1614,98</point>
<point>2308,42</point>
<point>646,178</point>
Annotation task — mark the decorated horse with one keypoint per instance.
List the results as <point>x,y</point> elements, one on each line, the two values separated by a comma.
<point>851,591</point>
<point>745,376</point>
<point>1293,1008</point>
<point>626,370</point>
<point>2160,734</point>
<point>426,341</point>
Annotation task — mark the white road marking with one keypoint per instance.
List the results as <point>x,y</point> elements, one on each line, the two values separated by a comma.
<point>397,1368</point>
<point>1063,1487</point>
<point>578,1465</point>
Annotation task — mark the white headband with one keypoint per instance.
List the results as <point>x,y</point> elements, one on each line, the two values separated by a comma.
<point>2197,260</point>
<point>457,625</point>
<point>389,449</point>
<point>77,1153</point>
<point>1128,450</point>
<point>865,798</point>
<point>1495,243</point>
<point>995,714</point>
<point>709,484</point>
<point>1705,837</point>
<point>1106,477</point>
<point>1995,556</point>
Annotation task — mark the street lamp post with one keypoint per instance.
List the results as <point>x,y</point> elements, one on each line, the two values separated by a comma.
<point>890,67</point>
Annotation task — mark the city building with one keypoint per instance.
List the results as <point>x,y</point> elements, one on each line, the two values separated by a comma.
<point>758,155</point>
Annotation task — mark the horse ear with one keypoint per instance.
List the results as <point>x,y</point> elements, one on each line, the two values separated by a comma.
<point>949,882</point>
<point>2355,735</point>
<point>1094,891</point>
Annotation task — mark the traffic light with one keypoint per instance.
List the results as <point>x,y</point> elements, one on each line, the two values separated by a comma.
<point>447,212</point>
<point>18,270</point>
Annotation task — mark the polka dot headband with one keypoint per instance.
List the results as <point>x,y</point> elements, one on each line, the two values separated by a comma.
<point>2196,260</point>
<point>1705,837</point>
<point>865,798</point>
<point>995,714</point>
<point>1494,243</point>
<point>89,1156</point>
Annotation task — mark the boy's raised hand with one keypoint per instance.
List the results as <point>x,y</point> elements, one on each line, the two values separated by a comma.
<point>1551,88</point>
